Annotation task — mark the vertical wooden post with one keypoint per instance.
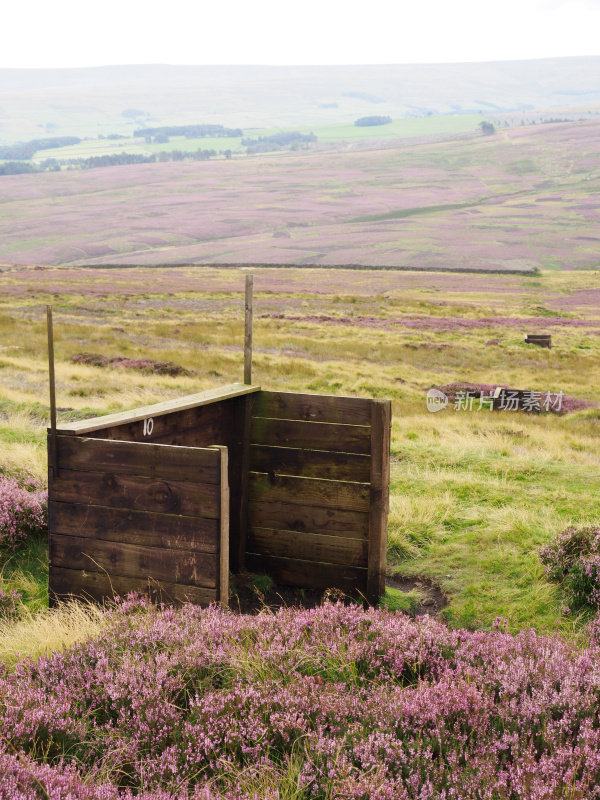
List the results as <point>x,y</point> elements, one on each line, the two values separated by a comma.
<point>223,590</point>
<point>248,331</point>
<point>381,419</point>
<point>53,443</point>
<point>240,555</point>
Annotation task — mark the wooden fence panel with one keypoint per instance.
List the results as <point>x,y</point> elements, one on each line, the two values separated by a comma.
<point>213,417</point>
<point>136,513</point>
<point>318,490</point>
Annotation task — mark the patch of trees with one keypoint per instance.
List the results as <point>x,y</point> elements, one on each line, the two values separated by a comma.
<point>189,131</point>
<point>277,141</point>
<point>372,120</point>
<point>111,160</point>
<point>17,168</point>
<point>118,159</point>
<point>487,128</point>
<point>22,151</point>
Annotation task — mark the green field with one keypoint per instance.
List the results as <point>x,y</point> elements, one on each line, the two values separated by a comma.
<point>440,125</point>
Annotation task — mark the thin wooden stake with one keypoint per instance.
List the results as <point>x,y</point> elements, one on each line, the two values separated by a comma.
<point>248,331</point>
<point>381,424</point>
<point>52,391</point>
<point>223,581</point>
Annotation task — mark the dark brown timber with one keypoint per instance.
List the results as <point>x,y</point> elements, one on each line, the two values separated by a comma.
<point>99,586</point>
<point>381,415</point>
<point>311,435</point>
<point>134,561</point>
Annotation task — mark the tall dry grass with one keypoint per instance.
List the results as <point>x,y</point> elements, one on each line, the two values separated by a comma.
<point>36,633</point>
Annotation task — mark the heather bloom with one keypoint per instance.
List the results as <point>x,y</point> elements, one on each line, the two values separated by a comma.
<point>9,602</point>
<point>573,558</point>
<point>143,364</point>
<point>333,702</point>
<point>22,512</point>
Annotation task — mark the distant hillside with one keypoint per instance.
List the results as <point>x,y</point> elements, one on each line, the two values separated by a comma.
<point>526,197</point>
<point>115,100</point>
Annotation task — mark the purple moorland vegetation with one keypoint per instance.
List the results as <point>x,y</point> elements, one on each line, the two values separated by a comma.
<point>438,324</point>
<point>573,559</point>
<point>9,602</point>
<point>464,204</point>
<point>333,702</point>
<point>143,364</point>
<point>22,512</point>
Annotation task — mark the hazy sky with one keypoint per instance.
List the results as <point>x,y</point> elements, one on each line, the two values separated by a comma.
<point>74,33</point>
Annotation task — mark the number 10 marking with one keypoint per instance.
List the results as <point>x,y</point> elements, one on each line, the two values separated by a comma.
<point>148,426</point>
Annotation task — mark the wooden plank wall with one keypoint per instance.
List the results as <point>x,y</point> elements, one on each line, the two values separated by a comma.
<point>318,491</point>
<point>219,423</point>
<point>138,516</point>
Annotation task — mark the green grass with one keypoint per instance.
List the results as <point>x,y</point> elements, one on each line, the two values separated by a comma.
<point>397,129</point>
<point>442,124</point>
<point>26,570</point>
<point>396,600</point>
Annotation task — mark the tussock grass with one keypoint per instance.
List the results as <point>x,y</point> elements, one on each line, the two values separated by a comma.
<point>36,633</point>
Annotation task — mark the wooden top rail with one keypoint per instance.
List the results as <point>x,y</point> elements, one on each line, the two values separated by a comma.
<point>158,409</point>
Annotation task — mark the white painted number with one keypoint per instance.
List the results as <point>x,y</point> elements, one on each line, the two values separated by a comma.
<point>148,426</point>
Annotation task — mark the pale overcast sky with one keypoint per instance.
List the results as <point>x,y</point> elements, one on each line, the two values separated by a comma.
<point>76,33</point>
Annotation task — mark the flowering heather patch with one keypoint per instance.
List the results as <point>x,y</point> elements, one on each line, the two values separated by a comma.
<point>22,512</point>
<point>143,364</point>
<point>438,324</point>
<point>333,702</point>
<point>9,602</point>
<point>573,558</point>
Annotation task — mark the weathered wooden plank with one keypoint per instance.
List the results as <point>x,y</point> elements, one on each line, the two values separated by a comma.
<point>310,463</point>
<point>223,584</point>
<point>311,435</point>
<point>309,574</point>
<point>248,330</point>
<point>193,427</point>
<point>313,407</point>
<point>136,493</point>
<point>239,546</point>
<point>171,531</point>
<point>158,461</point>
<point>292,517</point>
<point>309,491</point>
<point>157,409</point>
<point>134,561</point>
<point>82,584</point>
<point>379,499</point>
<point>308,546</point>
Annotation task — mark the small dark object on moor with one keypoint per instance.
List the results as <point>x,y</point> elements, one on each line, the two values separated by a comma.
<point>541,339</point>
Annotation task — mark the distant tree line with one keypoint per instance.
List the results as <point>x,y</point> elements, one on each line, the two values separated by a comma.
<point>277,141</point>
<point>112,160</point>
<point>18,167</point>
<point>119,159</point>
<point>364,122</point>
<point>23,151</point>
<point>189,131</point>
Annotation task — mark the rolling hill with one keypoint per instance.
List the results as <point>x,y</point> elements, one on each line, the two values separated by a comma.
<point>105,100</point>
